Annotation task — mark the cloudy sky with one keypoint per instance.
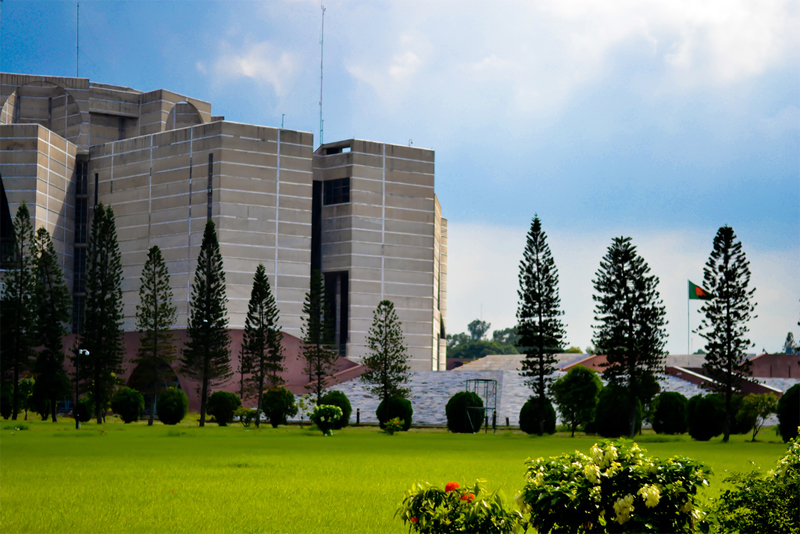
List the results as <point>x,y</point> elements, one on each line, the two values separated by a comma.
<point>661,120</point>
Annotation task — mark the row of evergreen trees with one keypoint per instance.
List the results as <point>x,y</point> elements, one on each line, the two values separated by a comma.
<point>631,319</point>
<point>36,307</point>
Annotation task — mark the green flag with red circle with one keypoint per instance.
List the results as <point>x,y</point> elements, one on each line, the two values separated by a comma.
<point>698,293</point>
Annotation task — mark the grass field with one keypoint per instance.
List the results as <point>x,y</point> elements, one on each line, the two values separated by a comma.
<point>132,478</point>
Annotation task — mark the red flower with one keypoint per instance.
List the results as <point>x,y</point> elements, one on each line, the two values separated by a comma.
<point>414,520</point>
<point>468,497</point>
<point>451,486</point>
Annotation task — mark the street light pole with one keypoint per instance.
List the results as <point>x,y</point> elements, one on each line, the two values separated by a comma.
<point>83,352</point>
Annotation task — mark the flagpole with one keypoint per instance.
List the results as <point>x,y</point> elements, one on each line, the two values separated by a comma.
<point>688,328</point>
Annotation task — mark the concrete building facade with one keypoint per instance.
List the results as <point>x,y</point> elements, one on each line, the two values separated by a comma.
<point>364,214</point>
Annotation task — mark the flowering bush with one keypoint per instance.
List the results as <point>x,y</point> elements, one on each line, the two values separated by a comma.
<point>325,417</point>
<point>614,489</point>
<point>428,509</point>
<point>393,425</point>
<point>764,503</point>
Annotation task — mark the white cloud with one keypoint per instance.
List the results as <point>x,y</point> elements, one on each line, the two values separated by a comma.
<point>263,62</point>
<point>483,264</point>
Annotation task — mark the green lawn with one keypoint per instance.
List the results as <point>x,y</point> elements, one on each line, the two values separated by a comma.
<point>131,478</point>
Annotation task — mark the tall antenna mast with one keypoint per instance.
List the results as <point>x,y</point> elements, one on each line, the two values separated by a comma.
<point>321,50</point>
<point>77,35</point>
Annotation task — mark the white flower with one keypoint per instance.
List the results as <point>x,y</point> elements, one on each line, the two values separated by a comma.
<point>592,473</point>
<point>610,455</point>
<point>651,495</point>
<point>597,453</point>
<point>623,509</point>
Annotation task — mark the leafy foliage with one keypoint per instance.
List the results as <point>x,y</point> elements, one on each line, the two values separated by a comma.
<point>317,348</point>
<point>460,417</point>
<point>173,404</point>
<point>393,425</point>
<point>763,503</point>
<point>616,488</point>
<point>478,349</point>
<point>704,416</point>
<point>477,329</point>
<point>789,413</point>
<point>631,319</point>
<point>83,410</point>
<point>537,416</point>
<point>206,357</point>
<point>245,415</point>
<point>506,336</point>
<point>669,413</point>
<point>576,395</point>
<point>387,361</point>
<point>128,404</point>
<point>757,407</point>
<point>262,345</point>
<point>325,417</point>
<point>337,398</point>
<point>613,401</point>
<point>155,316</point>
<point>222,405</point>
<point>540,329</point>
<point>428,509</point>
<point>278,404</point>
<point>395,408</point>
<point>724,326</point>
<point>102,329</point>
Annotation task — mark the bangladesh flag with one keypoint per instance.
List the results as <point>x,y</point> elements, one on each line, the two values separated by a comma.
<point>698,293</point>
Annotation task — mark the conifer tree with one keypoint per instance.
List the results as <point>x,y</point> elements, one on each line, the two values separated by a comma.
<point>632,319</point>
<point>17,316</point>
<point>387,361</point>
<point>52,304</point>
<point>206,356</point>
<point>155,316</point>
<point>102,329</point>
<point>318,335</point>
<point>540,329</point>
<point>727,277</point>
<point>262,339</point>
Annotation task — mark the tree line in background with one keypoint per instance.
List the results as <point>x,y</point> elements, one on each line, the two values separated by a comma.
<point>35,306</point>
<point>630,324</point>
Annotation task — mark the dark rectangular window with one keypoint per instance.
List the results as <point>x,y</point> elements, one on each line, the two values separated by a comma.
<point>79,280</point>
<point>337,191</point>
<point>81,220</point>
<point>77,314</point>
<point>337,294</point>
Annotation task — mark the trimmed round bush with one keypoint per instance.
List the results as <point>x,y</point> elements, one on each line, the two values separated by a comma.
<point>395,407</point>
<point>128,404</point>
<point>337,398</point>
<point>529,416</point>
<point>325,417</point>
<point>278,405</point>
<point>171,406</point>
<point>611,418</point>
<point>83,410</point>
<point>460,418</point>
<point>222,404</point>
<point>704,416</point>
<point>669,413</point>
<point>789,413</point>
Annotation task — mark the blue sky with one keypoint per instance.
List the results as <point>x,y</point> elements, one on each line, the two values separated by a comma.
<point>662,120</point>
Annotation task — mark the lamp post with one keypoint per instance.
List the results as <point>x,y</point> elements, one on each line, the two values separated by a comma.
<point>81,352</point>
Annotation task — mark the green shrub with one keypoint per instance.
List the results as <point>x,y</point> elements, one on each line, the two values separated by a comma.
<point>460,417</point>
<point>669,413</point>
<point>611,417</point>
<point>394,425</point>
<point>83,410</point>
<point>704,416</point>
<point>278,405</point>
<point>789,413</point>
<point>221,405</point>
<point>128,404</point>
<point>742,422</point>
<point>337,398</point>
<point>245,415</point>
<point>428,509</point>
<point>529,416</point>
<point>325,417</point>
<point>616,488</point>
<point>395,408</point>
<point>763,503</point>
<point>172,406</point>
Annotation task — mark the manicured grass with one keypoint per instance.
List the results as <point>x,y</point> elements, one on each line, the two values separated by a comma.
<point>134,478</point>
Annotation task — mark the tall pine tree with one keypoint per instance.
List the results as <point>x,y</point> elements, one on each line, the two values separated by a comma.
<point>317,349</point>
<point>207,356</point>
<point>387,361</point>
<point>262,339</point>
<point>53,305</point>
<point>632,319</point>
<point>155,316</point>
<point>17,315</point>
<point>540,329</point>
<point>727,277</point>
<point>102,328</point>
